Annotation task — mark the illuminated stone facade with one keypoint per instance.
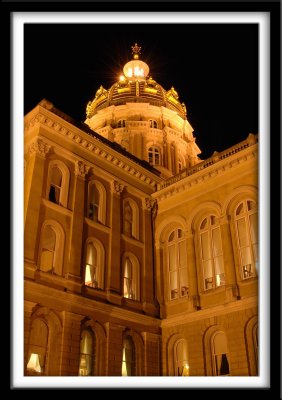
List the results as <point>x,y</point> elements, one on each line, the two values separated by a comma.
<point>140,258</point>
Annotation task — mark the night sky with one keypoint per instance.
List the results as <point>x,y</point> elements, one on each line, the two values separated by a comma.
<point>214,69</point>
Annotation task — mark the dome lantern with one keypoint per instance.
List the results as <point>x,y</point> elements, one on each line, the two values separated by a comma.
<point>136,69</point>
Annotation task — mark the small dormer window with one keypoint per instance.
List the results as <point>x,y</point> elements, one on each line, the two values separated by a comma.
<point>153,124</point>
<point>121,123</point>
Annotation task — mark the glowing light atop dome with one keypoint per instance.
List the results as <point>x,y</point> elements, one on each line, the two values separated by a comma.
<point>136,69</point>
<point>122,78</point>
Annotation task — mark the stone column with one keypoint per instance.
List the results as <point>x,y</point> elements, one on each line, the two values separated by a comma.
<point>147,269</point>
<point>192,271</point>
<point>228,258</point>
<point>114,270</point>
<point>114,349</point>
<point>28,309</point>
<point>33,185</point>
<point>176,159</point>
<point>70,350</point>
<point>76,231</point>
<point>151,354</point>
<point>169,164</point>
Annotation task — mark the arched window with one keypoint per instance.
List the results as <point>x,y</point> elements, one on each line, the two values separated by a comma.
<point>154,155</point>
<point>58,183</point>
<point>38,343</point>
<point>121,123</point>
<point>181,358</point>
<point>211,253</point>
<point>177,264</point>
<point>131,278</point>
<point>128,357</point>
<point>153,123</point>
<point>181,163</point>
<point>252,345</point>
<point>51,248</point>
<point>55,185</point>
<point>94,264</point>
<point>87,352</point>
<point>246,221</point>
<point>256,342</point>
<point>220,354</point>
<point>97,202</point>
<point>131,218</point>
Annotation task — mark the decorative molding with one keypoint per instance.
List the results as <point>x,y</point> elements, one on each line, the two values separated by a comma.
<point>39,147</point>
<point>148,203</point>
<point>56,207</point>
<point>116,188</point>
<point>81,169</point>
<point>93,144</point>
<point>201,176</point>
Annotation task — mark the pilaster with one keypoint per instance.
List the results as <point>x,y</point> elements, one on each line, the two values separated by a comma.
<point>76,232</point>
<point>114,270</point>
<point>33,185</point>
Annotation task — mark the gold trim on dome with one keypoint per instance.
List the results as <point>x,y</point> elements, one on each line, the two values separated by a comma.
<point>151,90</point>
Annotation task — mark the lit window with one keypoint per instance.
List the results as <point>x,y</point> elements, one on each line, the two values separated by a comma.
<point>220,355</point>
<point>37,347</point>
<point>247,237</point>
<point>87,347</point>
<point>131,278</point>
<point>153,124</point>
<point>211,253</point>
<point>128,357</point>
<point>94,266</point>
<point>177,264</point>
<point>154,155</point>
<point>181,359</point>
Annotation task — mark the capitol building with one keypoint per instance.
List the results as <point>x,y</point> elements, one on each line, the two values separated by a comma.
<point>140,258</point>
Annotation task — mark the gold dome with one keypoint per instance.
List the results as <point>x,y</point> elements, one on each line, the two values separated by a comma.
<point>136,87</point>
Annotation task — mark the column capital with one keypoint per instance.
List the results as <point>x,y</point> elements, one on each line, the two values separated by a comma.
<point>117,187</point>
<point>148,203</point>
<point>81,169</point>
<point>39,147</point>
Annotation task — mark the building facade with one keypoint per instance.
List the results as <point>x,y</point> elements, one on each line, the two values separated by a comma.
<point>140,259</point>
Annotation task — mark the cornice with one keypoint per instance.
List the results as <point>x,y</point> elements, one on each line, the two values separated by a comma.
<point>91,144</point>
<point>235,306</point>
<point>76,303</point>
<point>185,181</point>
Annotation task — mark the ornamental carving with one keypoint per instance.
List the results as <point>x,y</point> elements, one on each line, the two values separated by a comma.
<point>81,169</point>
<point>117,187</point>
<point>148,203</point>
<point>39,147</point>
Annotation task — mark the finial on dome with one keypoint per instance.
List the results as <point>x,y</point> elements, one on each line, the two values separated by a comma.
<point>136,50</point>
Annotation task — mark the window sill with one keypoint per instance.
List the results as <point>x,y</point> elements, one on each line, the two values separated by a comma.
<point>132,240</point>
<point>135,304</point>
<point>94,293</point>
<point>97,225</point>
<point>56,207</point>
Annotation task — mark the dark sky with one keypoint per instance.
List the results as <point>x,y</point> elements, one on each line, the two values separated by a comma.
<point>213,67</point>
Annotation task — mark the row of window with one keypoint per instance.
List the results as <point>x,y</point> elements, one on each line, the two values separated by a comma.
<point>58,183</point>
<point>210,254</point>
<point>38,346</point>
<point>122,122</point>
